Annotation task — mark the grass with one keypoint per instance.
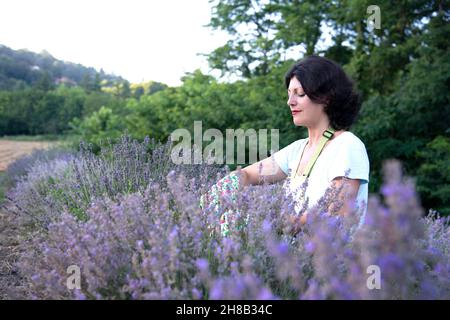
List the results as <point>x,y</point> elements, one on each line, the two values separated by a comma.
<point>37,138</point>
<point>70,141</point>
<point>41,138</point>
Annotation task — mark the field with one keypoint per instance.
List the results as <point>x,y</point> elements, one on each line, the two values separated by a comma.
<point>132,223</point>
<point>11,150</point>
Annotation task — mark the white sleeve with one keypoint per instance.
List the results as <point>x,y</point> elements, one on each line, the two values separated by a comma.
<point>351,156</point>
<point>284,156</point>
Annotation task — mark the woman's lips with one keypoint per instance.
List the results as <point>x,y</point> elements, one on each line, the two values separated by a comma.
<point>294,112</point>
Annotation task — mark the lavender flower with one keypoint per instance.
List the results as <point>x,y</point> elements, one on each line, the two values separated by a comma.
<point>131,221</point>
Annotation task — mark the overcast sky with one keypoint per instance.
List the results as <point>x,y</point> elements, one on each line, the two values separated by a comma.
<point>140,40</point>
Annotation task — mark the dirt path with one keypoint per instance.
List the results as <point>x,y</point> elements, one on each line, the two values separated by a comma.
<point>11,283</point>
<point>12,150</point>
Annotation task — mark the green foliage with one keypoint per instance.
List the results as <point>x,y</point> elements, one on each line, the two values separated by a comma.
<point>95,100</point>
<point>99,127</point>
<point>146,88</point>
<point>258,103</point>
<point>251,51</point>
<point>91,84</point>
<point>34,111</point>
<point>433,175</point>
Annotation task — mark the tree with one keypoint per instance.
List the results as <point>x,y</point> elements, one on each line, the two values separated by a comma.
<point>44,83</point>
<point>433,175</point>
<point>87,83</point>
<point>97,86</point>
<point>250,52</point>
<point>138,92</point>
<point>99,127</point>
<point>125,91</point>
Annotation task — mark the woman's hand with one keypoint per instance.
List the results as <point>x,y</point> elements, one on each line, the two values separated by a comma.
<point>296,223</point>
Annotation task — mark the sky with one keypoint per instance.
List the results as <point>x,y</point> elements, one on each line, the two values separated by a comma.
<point>140,40</point>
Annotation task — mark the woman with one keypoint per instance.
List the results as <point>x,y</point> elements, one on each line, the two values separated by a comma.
<point>321,98</point>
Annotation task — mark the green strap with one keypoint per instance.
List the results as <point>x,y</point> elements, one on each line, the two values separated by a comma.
<point>327,135</point>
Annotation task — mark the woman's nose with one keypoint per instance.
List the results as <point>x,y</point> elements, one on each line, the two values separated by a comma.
<point>291,100</point>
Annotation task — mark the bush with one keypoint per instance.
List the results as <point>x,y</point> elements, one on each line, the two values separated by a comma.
<point>98,127</point>
<point>142,235</point>
<point>20,167</point>
<point>73,181</point>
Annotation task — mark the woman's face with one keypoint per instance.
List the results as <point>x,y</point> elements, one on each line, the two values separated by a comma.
<point>304,112</point>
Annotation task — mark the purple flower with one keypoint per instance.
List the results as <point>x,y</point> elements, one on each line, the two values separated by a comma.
<point>130,219</point>
<point>202,264</point>
<point>310,247</point>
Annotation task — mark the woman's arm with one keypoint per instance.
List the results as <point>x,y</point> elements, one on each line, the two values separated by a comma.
<point>258,172</point>
<point>347,195</point>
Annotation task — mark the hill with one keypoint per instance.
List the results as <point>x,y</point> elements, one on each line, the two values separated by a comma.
<point>21,68</point>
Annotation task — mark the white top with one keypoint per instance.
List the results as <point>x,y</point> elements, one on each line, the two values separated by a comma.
<point>346,151</point>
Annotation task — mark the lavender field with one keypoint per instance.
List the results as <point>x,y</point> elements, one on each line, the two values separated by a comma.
<point>130,220</point>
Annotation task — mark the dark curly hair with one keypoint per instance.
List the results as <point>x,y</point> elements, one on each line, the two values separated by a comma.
<point>325,82</point>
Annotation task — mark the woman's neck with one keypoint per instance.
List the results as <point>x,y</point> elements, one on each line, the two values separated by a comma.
<point>315,133</point>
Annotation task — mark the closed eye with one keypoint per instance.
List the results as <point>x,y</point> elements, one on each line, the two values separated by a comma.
<point>297,93</point>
